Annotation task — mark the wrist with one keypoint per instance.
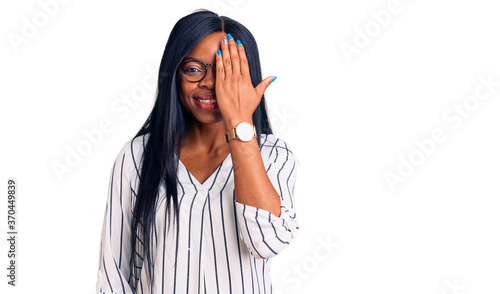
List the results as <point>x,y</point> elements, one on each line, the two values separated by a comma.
<point>243,131</point>
<point>233,122</point>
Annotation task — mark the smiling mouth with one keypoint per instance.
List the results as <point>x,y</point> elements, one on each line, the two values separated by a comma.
<point>206,101</point>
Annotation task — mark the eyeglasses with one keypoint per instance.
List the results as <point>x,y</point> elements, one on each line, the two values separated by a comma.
<point>194,70</point>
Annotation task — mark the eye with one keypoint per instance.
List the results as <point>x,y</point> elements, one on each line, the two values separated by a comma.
<point>193,68</point>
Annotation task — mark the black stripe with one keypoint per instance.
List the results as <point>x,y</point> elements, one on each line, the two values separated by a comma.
<point>189,233</point>
<point>288,185</point>
<point>100,250</point>
<point>201,245</point>
<point>256,274</point>
<point>204,284</point>
<point>177,235</point>
<point>154,226</point>
<point>139,240</point>
<point>262,143</point>
<point>111,201</point>
<point>139,267</point>
<point>238,242</point>
<point>213,244</point>
<point>132,199</point>
<point>275,159</point>
<point>224,230</point>
<point>262,233</point>
<point>139,255</point>
<point>264,277</point>
<point>133,157</point>
<point>250,237</point>
<point>251,271</point>
<point>271,152</point>
<point>276,233</point>
<point>278,175</point>
<point>216,175</point>
<point>121,209</point>
<point>164,248</point>
<point>283,225</point>
<point>142,290</point>
<point>107,276</point>
<point>121,280</point>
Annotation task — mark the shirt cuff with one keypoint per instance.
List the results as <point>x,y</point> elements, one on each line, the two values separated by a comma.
<point>265,234</point>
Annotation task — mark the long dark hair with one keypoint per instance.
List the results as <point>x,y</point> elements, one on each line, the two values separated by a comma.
<point>167,125</point>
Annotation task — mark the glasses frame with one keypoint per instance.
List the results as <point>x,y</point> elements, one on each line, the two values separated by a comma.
<point>185,60</point>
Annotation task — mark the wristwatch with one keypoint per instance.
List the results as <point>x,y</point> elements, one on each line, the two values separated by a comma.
<point>243,132</point>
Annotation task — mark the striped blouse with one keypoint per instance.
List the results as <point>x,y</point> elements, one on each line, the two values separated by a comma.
<point>224,246</point>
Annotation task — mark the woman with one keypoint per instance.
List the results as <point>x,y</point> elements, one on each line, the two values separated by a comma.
<point>202,197</point>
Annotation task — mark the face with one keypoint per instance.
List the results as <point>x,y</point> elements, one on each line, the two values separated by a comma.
<point>196,97</point>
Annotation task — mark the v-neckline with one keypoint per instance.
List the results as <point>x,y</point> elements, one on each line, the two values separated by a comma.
<point>210,179</point>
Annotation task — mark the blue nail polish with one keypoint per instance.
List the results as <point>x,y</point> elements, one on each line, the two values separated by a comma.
<point>273,79</point>
<point>238,42</point>
<point>218,52</point>
<point>229,36</point>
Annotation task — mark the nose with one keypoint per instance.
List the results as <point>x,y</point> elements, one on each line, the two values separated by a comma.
<point>209,80</point>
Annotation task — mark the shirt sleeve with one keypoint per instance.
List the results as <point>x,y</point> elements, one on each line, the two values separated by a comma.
<point>265,234</point>
<point>114,274</point>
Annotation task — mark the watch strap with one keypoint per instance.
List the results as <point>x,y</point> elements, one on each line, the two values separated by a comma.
<point>230,135</point>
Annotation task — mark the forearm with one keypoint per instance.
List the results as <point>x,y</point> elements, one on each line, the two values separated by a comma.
<point>252,184</point>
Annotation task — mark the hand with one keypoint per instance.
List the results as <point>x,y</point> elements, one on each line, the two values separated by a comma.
<point>236,97</point>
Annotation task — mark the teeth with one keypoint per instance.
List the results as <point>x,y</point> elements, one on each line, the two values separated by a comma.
<point>207,101</point>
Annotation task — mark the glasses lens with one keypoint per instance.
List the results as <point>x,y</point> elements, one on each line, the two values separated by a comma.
<point>193,70</point>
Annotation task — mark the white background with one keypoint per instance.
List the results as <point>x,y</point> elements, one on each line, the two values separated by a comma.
<point>349,118</point>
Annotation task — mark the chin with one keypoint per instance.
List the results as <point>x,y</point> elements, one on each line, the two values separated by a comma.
<point>207,119</point>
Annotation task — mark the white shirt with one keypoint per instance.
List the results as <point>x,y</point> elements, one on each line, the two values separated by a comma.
<point>224,246</point>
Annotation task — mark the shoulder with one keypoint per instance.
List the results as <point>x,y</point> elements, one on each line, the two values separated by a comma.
<point>134,147</point>
<point>270,141</point>
<point>130,155</point>
<point>273,147</point>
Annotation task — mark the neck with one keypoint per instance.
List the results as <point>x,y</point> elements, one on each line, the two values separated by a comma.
<point>207,137</point>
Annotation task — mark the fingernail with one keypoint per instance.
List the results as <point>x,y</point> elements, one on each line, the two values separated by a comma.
<point>229,36</point>
<point>218,52</point>
<point>238,42</point>
<point>224,40</point>
<point>273,79</point>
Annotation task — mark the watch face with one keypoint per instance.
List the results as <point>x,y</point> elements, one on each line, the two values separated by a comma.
<point>244,131</point>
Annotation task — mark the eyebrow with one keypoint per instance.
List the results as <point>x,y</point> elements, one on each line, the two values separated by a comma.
<point>195,59</point>
<point>192,58</point>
